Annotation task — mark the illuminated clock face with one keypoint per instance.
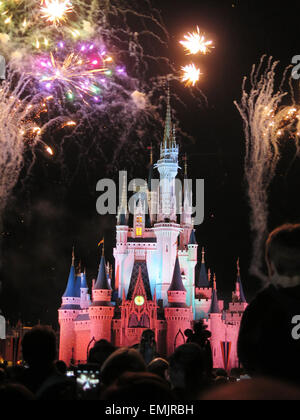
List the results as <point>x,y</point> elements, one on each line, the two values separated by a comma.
<point>139,301</point>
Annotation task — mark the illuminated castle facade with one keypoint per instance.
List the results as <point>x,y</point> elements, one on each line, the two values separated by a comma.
<point>156,286</point>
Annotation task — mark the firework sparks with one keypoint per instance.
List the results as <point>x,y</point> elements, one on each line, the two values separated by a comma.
<point>196,43</point>
<point>265,124</point>
<point>55,11</point>
<point>74,73</point>
<point>69,124</point>
<point>17,129</point>
<point>49,150</point>
<point>190,75</point>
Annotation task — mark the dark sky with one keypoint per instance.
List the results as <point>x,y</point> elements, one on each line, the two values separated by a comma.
<point>43,223</point>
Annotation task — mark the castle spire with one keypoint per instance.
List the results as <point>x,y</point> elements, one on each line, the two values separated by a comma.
<point>177,284</point>
<point>185,159</point>
<point>102,281</point>
<point>203,282</point>
<point>167,142</point>
<point>193,240</point>
<point>71,285</point>
<point>214,308</point>
<point>239,286</point>
<point>151,154</point>
<point>122,210</point>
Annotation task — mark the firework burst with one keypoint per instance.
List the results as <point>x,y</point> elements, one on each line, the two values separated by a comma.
<point>76,73</point>
<point>56,11</point>
<point>190,75</point>
<point>196,43</point>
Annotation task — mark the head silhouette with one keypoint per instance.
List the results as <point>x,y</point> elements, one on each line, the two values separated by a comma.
<point>283,256</point>
<point>39,347</point>
<point>121,361</point>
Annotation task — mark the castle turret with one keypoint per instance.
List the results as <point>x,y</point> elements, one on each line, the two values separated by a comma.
<point>101,310</point>
<point>203,291</point>
<point>122,217</point>
<point>239,290</point>
<point>168,170</point>
<point>167,230</point>
<point>68,312</point>
<point>187,210</point>
<point>84,292</point>
<point>152,192</point>
<point>191,266</point>
<point>178,315</point>
<point>216,327</point>
<point>239,302</point>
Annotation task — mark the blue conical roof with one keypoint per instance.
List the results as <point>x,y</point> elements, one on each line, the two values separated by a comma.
<point>71,286</point>
<point>122,219</point>
<point>102,283</point>
<point>193,240</point>
<point>203,281</point>
<point>214,308</point>
<point>83,281</point>
<point>177,284</point>
<point>77,287</point>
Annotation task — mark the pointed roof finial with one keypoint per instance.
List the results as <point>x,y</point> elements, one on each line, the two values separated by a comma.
<point>239,284</point>
<point>73,256</point>
<point>102,282</point>
<point>177,284</point>
<point>103,248</point>
<point>203,257</point>
<point>215,282</point>
<point>209,275</point>
<point>168,123</point>
<point>151,154</point>
<point>214,309</point>
<point>185,159</point>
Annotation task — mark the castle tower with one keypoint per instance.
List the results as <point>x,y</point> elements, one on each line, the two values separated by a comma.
<point>84,292</point>
<point>187,210</point>
<point>152,192</point>
<point>239,303</point>
<point>216,327</point>
<point>122,216</point>
<point>101,311</point>
<point>203,291</point>
<point>168,170</point>
<point>167,230</point>
<point>68,312</point>
<point>178,315</point>
<point>239,290</point>
<point>120,252</point>
<point>192,262</point>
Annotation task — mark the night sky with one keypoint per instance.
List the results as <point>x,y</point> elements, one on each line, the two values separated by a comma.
<point>47,215</point>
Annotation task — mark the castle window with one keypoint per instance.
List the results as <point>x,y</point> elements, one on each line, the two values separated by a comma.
<point>139,231</point>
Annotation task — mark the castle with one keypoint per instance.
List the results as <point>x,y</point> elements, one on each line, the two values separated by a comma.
<point>156,286</point>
